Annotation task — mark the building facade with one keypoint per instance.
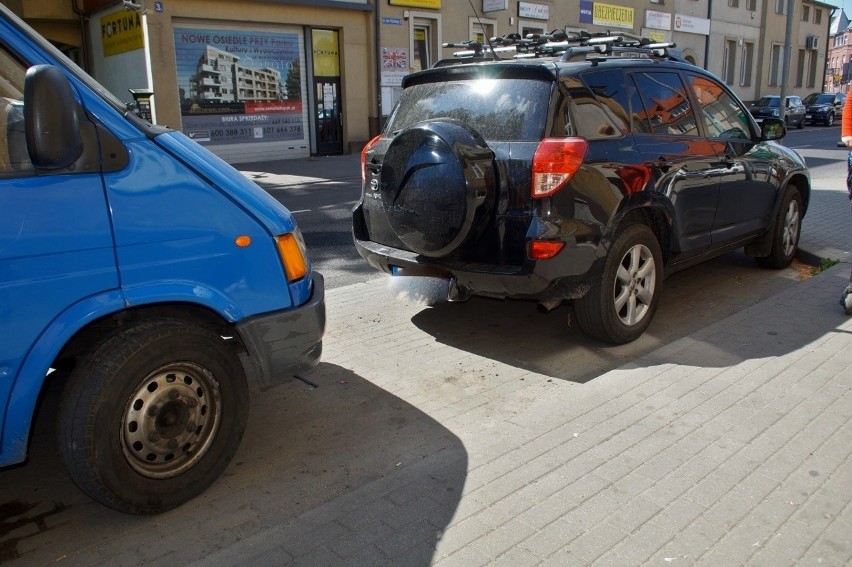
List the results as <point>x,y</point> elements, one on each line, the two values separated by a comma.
<point>275,79</point>
<point>838,70</point>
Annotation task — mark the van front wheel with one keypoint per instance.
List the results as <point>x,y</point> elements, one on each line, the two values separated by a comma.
<point>153,415</point>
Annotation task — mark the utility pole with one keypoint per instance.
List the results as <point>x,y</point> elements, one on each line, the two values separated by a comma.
<point>785,67</point>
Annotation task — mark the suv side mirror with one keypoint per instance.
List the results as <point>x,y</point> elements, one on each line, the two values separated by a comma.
<point>51,119</point>
<point>772,129</point>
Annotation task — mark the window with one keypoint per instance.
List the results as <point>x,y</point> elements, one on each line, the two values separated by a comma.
<point>800,67</point>
<point>730,61</point>
<point>481,33</point>
<point>806,12</point>
<point>13,146</point>
<point>425,40</point>
<point>608,114</point>
<point>780,6</point>
<point>775,63</point>
<point>747,64</point>
<point>812,69</point>
<point>734,3</point>
<point>817,16</point>
<point>751,5</point>
<point>665,107</point>
<point>722,116</point>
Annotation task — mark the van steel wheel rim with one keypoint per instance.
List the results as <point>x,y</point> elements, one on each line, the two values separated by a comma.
<point>635,282</point>
<point>171,420</point>
<point>791,228</point>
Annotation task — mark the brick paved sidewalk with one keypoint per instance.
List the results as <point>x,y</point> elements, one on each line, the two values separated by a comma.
<point>728,447</point>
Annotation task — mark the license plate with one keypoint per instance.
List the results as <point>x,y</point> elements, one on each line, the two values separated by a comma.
<point>808,116</point>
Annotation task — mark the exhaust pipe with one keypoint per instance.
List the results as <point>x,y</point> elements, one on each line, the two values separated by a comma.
<point>548,305</point>
<point>456,292</point>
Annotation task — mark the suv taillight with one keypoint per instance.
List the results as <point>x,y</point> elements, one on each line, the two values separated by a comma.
<point>556,161</point>
<point>364,151</point>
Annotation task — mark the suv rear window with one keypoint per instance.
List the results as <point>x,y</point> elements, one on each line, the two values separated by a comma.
<point>499,109</point>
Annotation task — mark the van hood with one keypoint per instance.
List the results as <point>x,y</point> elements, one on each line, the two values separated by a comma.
<point>272,214</point>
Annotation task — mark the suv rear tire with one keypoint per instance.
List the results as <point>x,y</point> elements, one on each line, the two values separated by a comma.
<point>621,305</point>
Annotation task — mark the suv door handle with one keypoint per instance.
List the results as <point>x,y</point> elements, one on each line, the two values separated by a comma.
<point>727,161</point>
<point>662,164</point>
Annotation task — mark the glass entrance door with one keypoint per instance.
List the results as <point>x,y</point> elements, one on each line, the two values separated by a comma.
<point>329,134</point>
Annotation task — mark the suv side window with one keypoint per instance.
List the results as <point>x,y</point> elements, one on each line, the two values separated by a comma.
<point>13,144</point>
<point>610,89</point>
<point>722,116</point>
<point>665,107</point>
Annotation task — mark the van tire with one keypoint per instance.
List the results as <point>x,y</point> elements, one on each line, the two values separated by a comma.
<point>633,270</point>
<point>153,415</point>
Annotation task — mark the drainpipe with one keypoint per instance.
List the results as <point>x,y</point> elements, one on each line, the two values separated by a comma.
<point>378,48</point>
<point>785,67</point>
<point>84,37</point>
<point>707,39</point>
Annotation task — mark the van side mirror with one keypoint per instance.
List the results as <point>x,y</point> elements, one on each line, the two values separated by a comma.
<point>51,118</point>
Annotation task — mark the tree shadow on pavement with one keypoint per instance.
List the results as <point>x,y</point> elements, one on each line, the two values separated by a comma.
<point>343,472</point>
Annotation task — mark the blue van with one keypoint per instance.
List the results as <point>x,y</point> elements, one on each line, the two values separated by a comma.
<point>146,274</point>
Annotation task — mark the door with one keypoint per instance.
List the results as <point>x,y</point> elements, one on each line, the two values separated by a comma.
<point>685,163</point>
<point>327,100</point>
<point>56,244</point>
<point>329,132</point>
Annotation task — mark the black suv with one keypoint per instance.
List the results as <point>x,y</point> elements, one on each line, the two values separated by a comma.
<point>823,108</point>
<point>583,176</point>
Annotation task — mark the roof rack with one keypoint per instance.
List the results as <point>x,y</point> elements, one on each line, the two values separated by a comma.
<point>567,46</point>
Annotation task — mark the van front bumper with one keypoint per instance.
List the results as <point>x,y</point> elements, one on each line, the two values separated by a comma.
<point>284,343</point>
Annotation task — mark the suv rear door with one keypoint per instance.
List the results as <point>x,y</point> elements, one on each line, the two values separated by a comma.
<point>683,162</point>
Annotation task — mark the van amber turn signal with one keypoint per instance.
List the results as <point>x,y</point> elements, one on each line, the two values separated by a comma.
<point>291,249</point>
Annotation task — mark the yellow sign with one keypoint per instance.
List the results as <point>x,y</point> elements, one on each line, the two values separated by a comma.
<point>612,16</point>
<point>121,31</point>
<point>326,53</point>
<point>431,4</point>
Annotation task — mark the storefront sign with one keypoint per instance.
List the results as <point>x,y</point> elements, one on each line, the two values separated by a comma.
<point>239,86</point>
<point>658,20</point>
<point>586,9</point>
<point>613,16</point>
<point>494,5</point>
<point>121,31</point>
<point>691,24</point>
<point>431,4</point>
<point>533,11</point>
<point>326,53</point>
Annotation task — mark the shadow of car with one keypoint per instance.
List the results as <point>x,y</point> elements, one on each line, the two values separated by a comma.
<point>823,108</point>
<point>769,107</point>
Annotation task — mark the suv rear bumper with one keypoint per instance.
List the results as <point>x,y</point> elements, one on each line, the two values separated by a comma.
<point>564,277</point>
<point>283,343</point>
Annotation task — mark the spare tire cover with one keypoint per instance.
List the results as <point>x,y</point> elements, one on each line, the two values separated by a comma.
<point>437,186</point>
